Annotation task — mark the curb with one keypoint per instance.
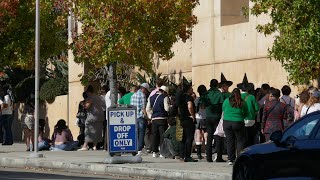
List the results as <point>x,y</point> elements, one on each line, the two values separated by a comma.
<point>112,169</point>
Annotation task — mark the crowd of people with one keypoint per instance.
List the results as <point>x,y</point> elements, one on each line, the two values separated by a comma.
<point>173,125</point>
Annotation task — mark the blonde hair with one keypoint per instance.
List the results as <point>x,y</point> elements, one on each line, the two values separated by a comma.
<point>312,100</point>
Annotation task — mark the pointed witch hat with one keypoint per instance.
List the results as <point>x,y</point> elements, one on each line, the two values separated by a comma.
<point>225,81</point>
<point>245,85</point>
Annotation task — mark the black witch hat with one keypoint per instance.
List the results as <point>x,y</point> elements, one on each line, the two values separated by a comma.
<point>245,85</point>
<point>225,81</point>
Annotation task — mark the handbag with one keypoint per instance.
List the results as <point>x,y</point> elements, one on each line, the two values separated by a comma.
<point>219,130</point>
<point>81,114</point>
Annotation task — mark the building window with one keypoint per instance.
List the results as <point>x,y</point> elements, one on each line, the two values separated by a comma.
<point>232,13</point>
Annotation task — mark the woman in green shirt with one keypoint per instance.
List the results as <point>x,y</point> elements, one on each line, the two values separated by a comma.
<point>234,113</point>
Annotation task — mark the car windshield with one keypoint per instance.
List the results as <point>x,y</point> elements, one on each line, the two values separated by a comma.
<point>303,128</point>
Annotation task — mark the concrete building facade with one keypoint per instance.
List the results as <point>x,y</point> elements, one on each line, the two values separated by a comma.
<point>225,41</point>
<point>222,41</point>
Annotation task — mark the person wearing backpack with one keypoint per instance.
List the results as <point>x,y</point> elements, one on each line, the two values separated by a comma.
<point>290,102</point>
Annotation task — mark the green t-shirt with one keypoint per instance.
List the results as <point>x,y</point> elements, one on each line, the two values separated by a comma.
<point>252,105</point>
<point>234,114</point>
<point>126,99</point>
<point>226,95</point>
<point>213,102</point>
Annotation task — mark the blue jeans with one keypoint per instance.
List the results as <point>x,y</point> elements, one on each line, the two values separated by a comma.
<point>7,124</point>
<point>65,147</point>
<point>43,145</point>
<point>141,131</point>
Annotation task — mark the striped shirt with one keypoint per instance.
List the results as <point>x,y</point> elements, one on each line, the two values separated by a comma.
<point>138,99</point>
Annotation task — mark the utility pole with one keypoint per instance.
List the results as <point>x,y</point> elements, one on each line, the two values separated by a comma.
<point>37,69</point>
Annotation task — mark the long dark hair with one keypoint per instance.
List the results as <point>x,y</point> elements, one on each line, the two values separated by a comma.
<point>202,90</point>
<point>61,125</point>
<point>235,98</point>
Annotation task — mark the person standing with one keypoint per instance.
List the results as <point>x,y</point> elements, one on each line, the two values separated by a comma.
<point>94,121</point>
<point>312,105</point>
<point>290,102</point>
<point>253,109</point>
<point>201,130</point>
<point>7,115</point>
<point>82,116</point>
<point>234,113</point>
<point>127,97</point>
<point>138,99</point>
<point>158,108</point>
<point>187,117</point>
<point>214,100</point>
<point>274,114</point>
<point>28,123</point>
<point>224,88</point>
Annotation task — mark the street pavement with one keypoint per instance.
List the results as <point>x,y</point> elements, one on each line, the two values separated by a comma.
<point>33,174</point>
<point>91,162</point>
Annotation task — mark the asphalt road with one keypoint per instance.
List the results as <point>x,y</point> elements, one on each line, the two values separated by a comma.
<point>31,174</point>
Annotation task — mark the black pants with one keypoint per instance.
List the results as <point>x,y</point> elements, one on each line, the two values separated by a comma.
<point>250,133</point>
<point>187,139</point>
<point>212,124</point>
<point>234,131</point>
<point>159,126</point>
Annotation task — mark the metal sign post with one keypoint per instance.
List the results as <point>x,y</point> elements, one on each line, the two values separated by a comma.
<point>37,69</point>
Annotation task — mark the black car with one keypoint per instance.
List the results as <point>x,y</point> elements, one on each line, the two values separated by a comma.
<point>294,153</point>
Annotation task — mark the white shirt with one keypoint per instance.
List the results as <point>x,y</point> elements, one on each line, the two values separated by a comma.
<point>107,99</point>
<point>7,110</point>
<point>313,108</point>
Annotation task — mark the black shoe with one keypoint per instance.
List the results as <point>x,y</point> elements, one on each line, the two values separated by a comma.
<point>209,160</point>
<point>190,160</point>
<point>7,144</point>
<point>200,156</point>
<point>220,160</point>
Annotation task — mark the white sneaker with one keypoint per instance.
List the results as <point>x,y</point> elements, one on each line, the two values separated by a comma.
<point>155,155</point>
<point>161,156</point>
<point>215,158</point>
<point>141,153</point>
<point>230,162</point>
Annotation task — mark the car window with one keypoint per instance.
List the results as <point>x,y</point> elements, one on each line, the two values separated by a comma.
<point>303,128</point>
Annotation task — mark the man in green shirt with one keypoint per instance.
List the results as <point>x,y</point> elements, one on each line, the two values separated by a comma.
<point>213,102</point>
<point>253,108</point>
<point>126,98</point>
<point>224,86</point>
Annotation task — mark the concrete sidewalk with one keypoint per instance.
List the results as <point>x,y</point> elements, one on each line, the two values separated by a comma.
<point>92,162</point>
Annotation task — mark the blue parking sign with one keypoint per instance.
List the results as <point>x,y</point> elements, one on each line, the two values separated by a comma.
<point>122,129</point>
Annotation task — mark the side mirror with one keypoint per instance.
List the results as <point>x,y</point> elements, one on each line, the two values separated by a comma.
<point>276,137</point>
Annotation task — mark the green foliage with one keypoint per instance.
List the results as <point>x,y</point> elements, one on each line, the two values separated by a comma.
<point>56,83</point>
<point>52,88</point>
<point>130,31</point>
<point>296,29</point>
<point>17,32</point>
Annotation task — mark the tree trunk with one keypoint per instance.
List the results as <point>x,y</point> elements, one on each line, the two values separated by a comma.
<point>113,83</point>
